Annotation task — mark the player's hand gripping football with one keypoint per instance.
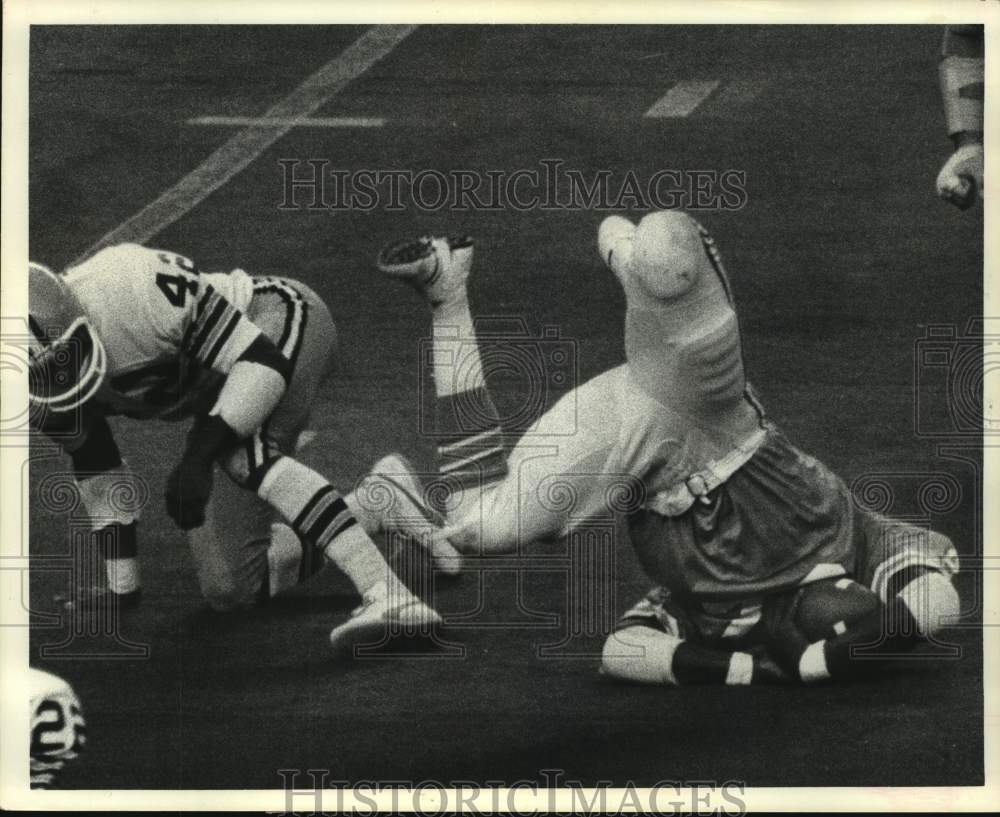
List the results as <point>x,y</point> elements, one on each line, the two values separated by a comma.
<point>961,179</point>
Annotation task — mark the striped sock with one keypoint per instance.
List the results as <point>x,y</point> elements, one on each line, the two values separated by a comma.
<point>322,521</point>
<point>644,653</point>
<point>862,647</point>
<point>470,445</point>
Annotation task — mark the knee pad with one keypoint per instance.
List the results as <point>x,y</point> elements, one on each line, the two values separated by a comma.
<point>932,600</point>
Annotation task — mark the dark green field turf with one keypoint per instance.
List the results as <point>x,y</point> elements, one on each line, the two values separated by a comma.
<point>840,258</point>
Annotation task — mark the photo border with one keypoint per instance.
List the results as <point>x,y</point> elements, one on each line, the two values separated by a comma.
<point>20,14</point>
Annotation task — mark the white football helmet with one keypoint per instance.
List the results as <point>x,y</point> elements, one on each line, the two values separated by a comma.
<point>663,257</point>
<point>58,732</point>
<point>68,362</point>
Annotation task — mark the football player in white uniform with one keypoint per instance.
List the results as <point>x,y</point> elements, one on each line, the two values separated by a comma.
<point>142,333</point>
<point>961,71</point>
<point>764,568</point>
<point>58,731</point>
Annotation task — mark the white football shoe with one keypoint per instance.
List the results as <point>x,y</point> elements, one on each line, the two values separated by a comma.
<point>437,267</point>
<point>392,498</point>
<point>382,616</point>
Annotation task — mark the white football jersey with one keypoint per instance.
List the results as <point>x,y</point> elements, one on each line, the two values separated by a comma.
<point>58,732</point>
<point>164,325</point>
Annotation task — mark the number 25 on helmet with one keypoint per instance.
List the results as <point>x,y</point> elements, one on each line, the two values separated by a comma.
<point>67,361</point>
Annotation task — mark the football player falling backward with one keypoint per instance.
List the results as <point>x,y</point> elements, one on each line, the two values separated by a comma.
<point>139,332</point>
<point>764,569</point>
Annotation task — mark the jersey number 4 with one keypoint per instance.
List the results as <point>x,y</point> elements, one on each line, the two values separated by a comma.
<point>176,287</point>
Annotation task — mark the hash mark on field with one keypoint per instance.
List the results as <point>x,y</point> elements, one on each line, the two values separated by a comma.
<point>242,148</point>
<point>291,122</point>
<point>734,95</point>
<point>682,99</point>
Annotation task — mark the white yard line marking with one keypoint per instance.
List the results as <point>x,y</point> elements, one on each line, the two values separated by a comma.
<point>291,122</point>
<point>682,99</point>
<point>242,148</point>
<point>738,92</point>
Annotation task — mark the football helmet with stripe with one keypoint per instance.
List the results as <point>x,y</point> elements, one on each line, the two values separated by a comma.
<point>58,731</point>
<point>67,361</point>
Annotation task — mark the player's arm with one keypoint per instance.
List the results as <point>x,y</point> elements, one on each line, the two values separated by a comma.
<point>961,74</point>
<point>222,338</point>
<point>109,493</point>
<point>189,316</point>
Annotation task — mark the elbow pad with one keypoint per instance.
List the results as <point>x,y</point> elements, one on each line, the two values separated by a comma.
<point>253,388</point>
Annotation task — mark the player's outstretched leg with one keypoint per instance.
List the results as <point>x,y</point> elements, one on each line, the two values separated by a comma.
<point>471,455</point>
<point>390,499</point>
<point>499,499</point>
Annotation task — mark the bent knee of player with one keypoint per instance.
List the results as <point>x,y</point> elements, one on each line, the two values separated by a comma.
<point>236,465</point>
<point>224,592</point>
<point>932,600</point>
<point>221,599</point>
<point>247,466</point>
<point>482,519</point>
<point>640,654</point>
